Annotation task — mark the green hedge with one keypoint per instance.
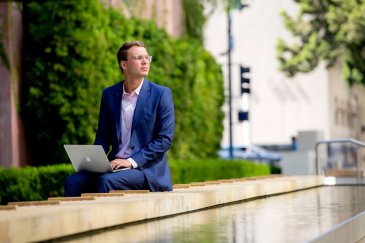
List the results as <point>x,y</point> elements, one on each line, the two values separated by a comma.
<point>40,183</point>
<point>33,183</point>
<point>186,171</point>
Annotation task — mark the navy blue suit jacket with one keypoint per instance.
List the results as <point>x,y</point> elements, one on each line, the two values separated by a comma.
<point>152,130</point>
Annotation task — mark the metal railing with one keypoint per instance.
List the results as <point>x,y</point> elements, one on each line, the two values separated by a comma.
<point>340,140</point>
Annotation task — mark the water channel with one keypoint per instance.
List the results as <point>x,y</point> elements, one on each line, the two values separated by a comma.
<point>294,217</point>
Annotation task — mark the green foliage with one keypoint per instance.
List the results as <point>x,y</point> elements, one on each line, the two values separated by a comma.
<point>326,30</point>
<point>32,183</point>
<point>197,86</point>
<point>275,169</point>
<point>187,171</point>
<point>70,50</point>
<point>40,183</point>
<point>67,66</point>
<point>52,179</point>
<point>194,19</point>
<point>18,184</point>
<point>3,57</point>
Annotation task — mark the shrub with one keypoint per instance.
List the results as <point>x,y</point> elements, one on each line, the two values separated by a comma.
<point>187,171</point>
<point>32,183</point>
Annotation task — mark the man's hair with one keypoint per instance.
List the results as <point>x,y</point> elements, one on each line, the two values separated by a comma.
<point>122,52</point>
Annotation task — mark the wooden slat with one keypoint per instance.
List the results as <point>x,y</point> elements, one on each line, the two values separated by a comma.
<point>264,177</point>
<point>240,179</point>
<point>102,194</point>
<point>178,186</point>
<point>212,182</point>
<point>7,207</point>
<point>227,181</point>
<point>33,203</point>
<point>129,191</point>
<point>67,199</point>
<point>198,184</point>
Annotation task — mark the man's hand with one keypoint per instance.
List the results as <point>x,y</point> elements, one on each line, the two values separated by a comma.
<point>120,163</point>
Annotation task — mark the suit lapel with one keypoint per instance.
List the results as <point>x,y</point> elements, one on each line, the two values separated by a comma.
<point>141,102</point>
<point>117,109</point>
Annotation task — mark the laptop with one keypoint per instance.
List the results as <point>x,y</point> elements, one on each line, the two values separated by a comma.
<point>91,158</point>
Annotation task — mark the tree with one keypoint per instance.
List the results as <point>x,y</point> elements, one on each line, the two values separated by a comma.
<point>326,30</point>
<point>67,64</point>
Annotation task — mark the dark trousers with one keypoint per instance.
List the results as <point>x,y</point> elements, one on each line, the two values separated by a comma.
<point>83,182</point>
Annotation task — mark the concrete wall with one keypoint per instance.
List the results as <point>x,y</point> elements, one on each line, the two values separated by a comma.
<point>168,14</point>
<point>12,139</point>
<point>346,106</point>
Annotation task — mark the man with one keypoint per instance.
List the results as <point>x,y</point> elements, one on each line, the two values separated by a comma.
<point>136,127</point>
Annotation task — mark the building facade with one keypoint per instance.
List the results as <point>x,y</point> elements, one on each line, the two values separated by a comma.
<point>12,139</point>
<point>280,107</point>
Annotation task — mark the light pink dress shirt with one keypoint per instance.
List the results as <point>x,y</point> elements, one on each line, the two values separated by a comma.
<point>129,101</point>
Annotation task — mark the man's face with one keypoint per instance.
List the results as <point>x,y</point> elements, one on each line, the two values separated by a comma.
<point>137,64</point>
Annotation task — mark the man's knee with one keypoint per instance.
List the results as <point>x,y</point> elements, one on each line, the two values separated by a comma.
<point>105,183</point>
<point>78,183</point>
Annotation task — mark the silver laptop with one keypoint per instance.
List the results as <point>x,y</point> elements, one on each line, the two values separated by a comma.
<point>90,158</point>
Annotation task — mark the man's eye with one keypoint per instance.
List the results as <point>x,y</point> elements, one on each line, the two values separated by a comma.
<point>138,57</point>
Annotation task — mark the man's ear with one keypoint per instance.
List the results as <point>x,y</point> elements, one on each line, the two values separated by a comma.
<point>123,64</point>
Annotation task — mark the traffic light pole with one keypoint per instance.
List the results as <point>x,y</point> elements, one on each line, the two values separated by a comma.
<point>230,86</point>
<point>238,5</point>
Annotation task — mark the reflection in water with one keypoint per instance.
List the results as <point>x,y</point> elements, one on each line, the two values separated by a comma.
<point>293,217</point>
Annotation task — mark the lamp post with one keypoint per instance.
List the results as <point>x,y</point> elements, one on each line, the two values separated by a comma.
<point>238,5</point>
<point>230,43</point>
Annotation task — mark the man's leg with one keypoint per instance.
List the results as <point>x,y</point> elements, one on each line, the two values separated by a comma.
<point>80,182</point>
<point>132,179</point>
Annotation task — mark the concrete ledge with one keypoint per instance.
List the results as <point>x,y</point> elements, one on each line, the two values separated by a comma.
<point>43,222</point>
<point>350,230</point>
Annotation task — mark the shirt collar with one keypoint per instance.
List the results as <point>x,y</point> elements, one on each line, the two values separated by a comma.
<point>136,91</point>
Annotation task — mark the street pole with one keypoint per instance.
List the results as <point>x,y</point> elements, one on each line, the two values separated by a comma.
<point>230,43</point>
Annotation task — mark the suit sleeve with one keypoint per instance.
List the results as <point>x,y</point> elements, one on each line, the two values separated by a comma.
<point>102,132</point>
<point>163,133</point>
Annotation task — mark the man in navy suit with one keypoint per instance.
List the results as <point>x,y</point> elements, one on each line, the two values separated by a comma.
<point>136,127</point>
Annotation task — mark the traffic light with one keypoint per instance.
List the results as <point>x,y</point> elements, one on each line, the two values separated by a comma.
<point>243,116</point>
<point>245,80</point>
